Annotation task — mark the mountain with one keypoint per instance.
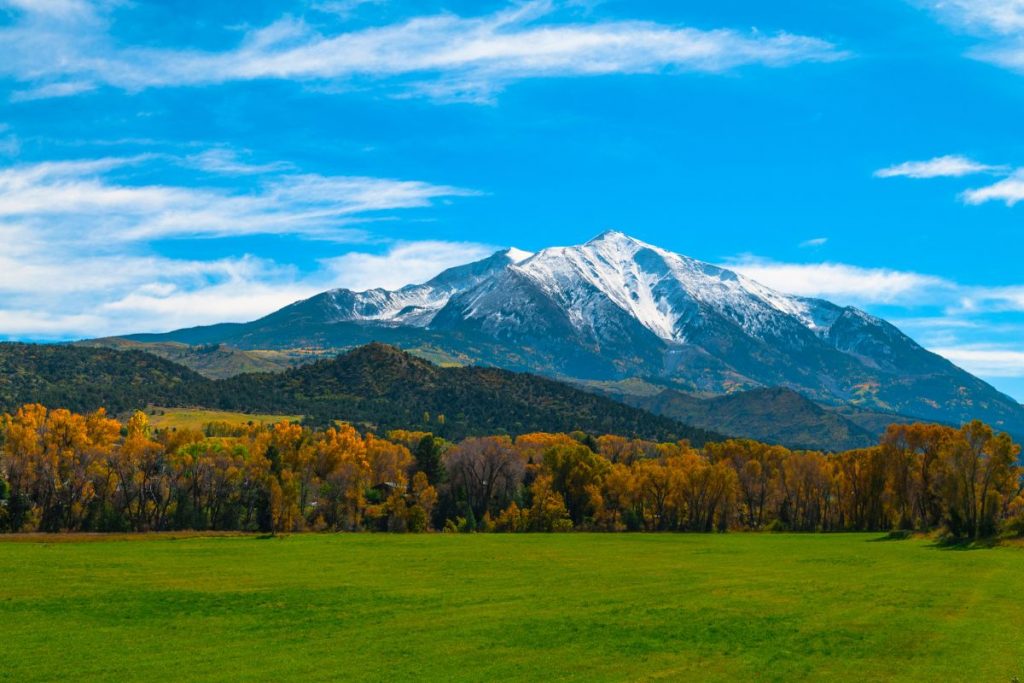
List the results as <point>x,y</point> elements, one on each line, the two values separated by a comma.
<point>84,379</point>
<point>775,415</point>
<point>389,388</point>
<point>376,386</point>
<point>616,308</point>
<point>215,361</point>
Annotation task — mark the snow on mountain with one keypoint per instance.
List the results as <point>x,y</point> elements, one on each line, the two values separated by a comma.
<point>663,291</point>
<point>616,308</point>
<point>603,291</point>
<point>416,305</point>
<point>611,292</point>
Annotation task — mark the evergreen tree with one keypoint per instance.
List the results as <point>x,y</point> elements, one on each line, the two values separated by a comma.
<point>428,458</point>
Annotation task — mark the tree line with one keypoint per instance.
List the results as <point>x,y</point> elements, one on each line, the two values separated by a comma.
<point>65,471</point>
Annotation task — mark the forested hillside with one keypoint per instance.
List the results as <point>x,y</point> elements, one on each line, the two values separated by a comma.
<point>214,361</point>
<point>376,387</point>
<point>390,389</point>
<point>85,379</point>
<point>775,415</point>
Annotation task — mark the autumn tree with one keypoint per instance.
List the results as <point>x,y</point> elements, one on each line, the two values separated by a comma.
<point>980,476</point>
<point>577,474</point>
<point>548,511</point>
<point>484,473</point>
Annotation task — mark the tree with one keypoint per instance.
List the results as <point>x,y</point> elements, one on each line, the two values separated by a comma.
<point>548,511</point>
<point>423,499</point>
<point>577,474</point>
<point>980,478</point>
<point>428,454</point>
<point>757,471</point>
<point>484,473</point>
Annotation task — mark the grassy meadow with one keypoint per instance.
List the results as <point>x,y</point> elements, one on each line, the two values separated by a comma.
<point>198,418</point>
<point>483,607</point>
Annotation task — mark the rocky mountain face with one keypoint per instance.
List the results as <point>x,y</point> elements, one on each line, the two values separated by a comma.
<point>616,307</point>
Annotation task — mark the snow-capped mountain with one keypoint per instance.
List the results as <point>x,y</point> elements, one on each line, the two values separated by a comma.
<point>614,277</point>
<point>616,308</point>
<point>414,305</point>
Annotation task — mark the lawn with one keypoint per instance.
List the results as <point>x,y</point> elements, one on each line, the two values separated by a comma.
<point>581,607</point>
<point>198,418</point>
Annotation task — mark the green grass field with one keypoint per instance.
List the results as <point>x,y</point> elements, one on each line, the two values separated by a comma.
<point>197,418</point>
<point>584,607</point>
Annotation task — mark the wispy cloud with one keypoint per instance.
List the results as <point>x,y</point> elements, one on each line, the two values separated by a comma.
<point>950,166</point>
<point>843,282</point>
<point>986,360</point>
<point>78,238</point>
<point>989,16</point>
<point>90,197</point>
<point>53,90</point>
<point>343,8</point>
<point>1008,190</point>
<point>857,285</point>
<point>442,56</point>
<point>978,328</point>
<point>403,263</point>
<point>228,161</point>
<point>815,242</point>
<point>998,23</point>
<point>997,299</point>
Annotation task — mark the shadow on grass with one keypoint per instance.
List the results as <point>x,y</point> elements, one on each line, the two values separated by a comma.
<point>901,535</point>
<point>941,542</point>
<point>954,543</point>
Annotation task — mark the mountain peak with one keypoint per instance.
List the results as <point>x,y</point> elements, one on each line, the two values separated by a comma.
<point>615,236</point>
<point>516,255</point>
<point>617,307</point>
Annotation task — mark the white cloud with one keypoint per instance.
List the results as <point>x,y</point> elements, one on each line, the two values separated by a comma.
<point>815,242</point>
<point>986,16</point>
<point>88,196</point>
<point>986,360</point>
<point>57,9</point>
<point>343,8</point>
<point>998,299</point>
<point>1009,191</point>
<point>53,90</point>
<point>67,294</point>
<point>977,328</point>
<point>950,166</point>
<point>845,283</point>
<point>76,259</point>
<point>227,162</point>
<point>850,284</point>
<point>442,55</point>
<point>999,23</point>
<point>404,263</point>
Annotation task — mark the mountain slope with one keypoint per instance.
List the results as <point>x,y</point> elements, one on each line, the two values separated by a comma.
<point>377,386</point>
<point>776,415</point>
<point>215,361</point>
<point>84,379</point>
<point>615,308</point>
<point>389,388</point>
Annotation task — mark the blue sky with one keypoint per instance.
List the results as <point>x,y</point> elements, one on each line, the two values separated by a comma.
<point>177,163</point>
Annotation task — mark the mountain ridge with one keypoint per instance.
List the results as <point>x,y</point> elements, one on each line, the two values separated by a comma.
<point>616,307</point>
<point>375,386</point>
<point>773,415</point>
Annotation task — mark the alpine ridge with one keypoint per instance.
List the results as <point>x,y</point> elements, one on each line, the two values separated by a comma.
<point>615,308</point>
